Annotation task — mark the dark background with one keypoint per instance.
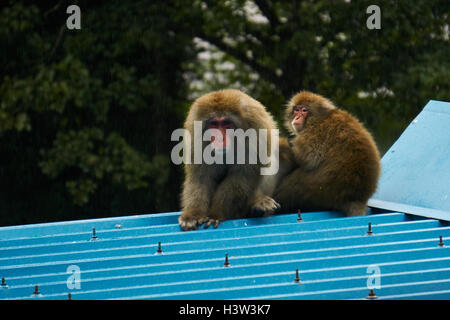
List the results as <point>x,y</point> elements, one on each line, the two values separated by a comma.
<point>86,115</point>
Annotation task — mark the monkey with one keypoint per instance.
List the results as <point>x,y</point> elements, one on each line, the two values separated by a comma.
<point>333,162</point>
<point>213,192</point>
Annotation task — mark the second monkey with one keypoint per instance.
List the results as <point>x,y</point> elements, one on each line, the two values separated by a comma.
<point>333,161</point>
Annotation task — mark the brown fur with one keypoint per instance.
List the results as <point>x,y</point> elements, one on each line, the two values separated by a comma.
<point>216,192</point>
<point>335,161</point>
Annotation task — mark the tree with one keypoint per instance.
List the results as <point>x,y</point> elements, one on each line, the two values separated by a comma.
<point>383,76</point>
<point>85,116</point>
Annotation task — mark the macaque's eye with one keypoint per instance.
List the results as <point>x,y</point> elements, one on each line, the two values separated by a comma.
<point>213,123</point>
<point>227,123</point>
<point>300,108</point>
<point>218,123</point>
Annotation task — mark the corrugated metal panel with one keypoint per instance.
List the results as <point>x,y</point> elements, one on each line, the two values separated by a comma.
<point>416,169</point>
<point>332,254</point>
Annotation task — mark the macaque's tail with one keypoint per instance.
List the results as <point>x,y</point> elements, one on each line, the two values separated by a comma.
<point>354,209</point>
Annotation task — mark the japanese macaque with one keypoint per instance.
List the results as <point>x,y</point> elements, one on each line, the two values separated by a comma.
<point>334,160</point>
<point>222,190</point>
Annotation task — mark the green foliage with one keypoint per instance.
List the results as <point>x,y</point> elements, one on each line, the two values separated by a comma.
<point>86,115</point>
<point>382,76</point>
<point>96,157</point>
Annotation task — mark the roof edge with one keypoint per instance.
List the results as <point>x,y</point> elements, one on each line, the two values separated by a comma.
<point>419,211</point>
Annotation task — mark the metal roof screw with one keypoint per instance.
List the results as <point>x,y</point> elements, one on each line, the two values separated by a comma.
<point>227,263</point>
<point>159,247</point>
<point>372,295</point>
<point>297,277</point>
<point>69,296</point>
<point>441,243</point>
<point>94,234</point>
<point>3,282</point>
<point>299,219</point>
<point>369,231</point>
<point>36,290</point>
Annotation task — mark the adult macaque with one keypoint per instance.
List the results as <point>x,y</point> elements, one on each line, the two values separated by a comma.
<point>222,190</point>
<point>334,160</point>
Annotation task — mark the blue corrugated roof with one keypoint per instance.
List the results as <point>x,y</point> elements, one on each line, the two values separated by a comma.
<point>332,254</point>
<point>416,169</point>
<point>405,257</point>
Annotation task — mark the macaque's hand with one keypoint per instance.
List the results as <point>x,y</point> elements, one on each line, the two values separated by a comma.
<point>264,206</point>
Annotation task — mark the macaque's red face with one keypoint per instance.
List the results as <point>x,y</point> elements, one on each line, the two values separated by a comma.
<point>219,137</point>
<point>300,112</point>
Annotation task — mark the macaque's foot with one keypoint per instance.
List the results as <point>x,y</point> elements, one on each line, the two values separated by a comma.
<point>213,222</point>
<point>189,221</point>
<point>264,206</point>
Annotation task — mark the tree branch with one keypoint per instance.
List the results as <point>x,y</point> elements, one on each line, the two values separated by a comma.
<point>53,9</point>
<point>58,41</point>
<point>265,72</point>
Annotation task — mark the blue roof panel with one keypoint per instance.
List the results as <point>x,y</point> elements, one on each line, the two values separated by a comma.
<point>416,169</point>
<point>332,253</point>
